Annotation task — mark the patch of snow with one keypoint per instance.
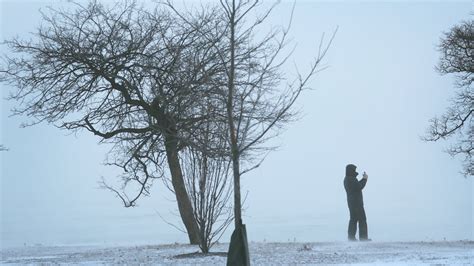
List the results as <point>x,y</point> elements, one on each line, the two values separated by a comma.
<point>342,253</point>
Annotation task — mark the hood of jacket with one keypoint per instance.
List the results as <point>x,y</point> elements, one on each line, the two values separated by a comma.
<point>351,170</point>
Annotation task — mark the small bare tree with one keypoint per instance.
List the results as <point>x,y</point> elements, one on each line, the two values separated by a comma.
<point>207,178</point>
<point>206,175</point>
<point>457,57</point>
<point>209,185</point>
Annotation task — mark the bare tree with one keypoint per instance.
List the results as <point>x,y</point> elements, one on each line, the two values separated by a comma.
<point>209,186</point>
<point>457,57</point>
<point>131,76</point>
<point>255,108</point>
<point>207,177</point>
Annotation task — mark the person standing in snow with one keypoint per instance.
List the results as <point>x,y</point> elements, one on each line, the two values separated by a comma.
<point>355,202</point>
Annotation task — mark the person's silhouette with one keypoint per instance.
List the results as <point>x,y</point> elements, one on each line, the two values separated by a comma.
<point>355,202</point>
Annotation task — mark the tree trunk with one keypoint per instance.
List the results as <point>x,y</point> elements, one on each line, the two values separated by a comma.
<point>237,200</point>
<point>184,203</point>
<point>230,119</point>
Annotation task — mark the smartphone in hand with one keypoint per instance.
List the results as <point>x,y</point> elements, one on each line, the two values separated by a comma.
<point>365,175</point>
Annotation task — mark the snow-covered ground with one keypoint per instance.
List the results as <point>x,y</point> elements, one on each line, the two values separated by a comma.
<point>388,253</point>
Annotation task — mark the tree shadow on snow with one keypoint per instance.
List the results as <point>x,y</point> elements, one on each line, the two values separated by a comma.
<point>200,255</point>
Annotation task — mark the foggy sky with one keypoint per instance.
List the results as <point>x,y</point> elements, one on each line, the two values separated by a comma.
<point>370,108</point>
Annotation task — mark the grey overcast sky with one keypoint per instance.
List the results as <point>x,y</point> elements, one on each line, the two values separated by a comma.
<point>370,108</point>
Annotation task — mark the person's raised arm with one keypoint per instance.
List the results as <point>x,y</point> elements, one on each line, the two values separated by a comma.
<point>363,181</point>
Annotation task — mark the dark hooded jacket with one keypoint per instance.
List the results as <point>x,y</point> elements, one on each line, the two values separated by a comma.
<point>354,187</point>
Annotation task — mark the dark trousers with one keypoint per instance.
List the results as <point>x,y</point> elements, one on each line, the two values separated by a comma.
<point>357,215</point>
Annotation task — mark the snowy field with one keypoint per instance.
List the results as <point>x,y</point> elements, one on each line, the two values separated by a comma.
<point>377,253</point>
